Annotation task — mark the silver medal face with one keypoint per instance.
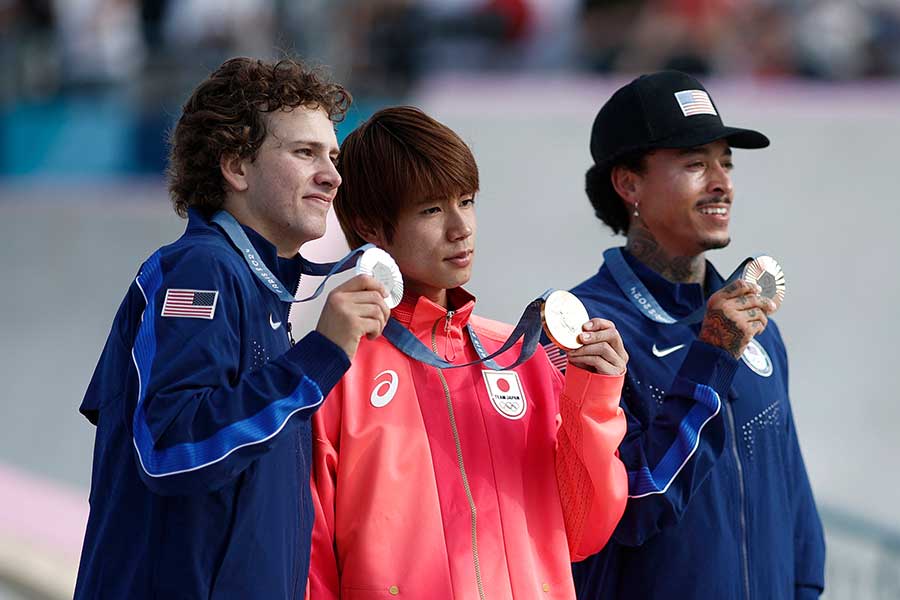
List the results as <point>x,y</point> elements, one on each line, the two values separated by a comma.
<point>380,265</point>
<point>766,272</point>
<point>564,315</point>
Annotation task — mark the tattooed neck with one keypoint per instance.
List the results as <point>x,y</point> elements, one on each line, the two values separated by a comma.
<point>677,269</point>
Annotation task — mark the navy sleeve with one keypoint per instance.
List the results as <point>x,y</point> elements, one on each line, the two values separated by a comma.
<point>200,417</point>
<point>669,456</point>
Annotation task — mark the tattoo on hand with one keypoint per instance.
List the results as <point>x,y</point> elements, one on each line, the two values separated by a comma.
<point>719,330</point>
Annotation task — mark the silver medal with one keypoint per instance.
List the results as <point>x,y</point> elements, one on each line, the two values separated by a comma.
<point>380,265</point>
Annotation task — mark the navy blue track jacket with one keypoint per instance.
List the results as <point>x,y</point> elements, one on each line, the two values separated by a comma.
<point>719,502</point>
<point>200,484</point>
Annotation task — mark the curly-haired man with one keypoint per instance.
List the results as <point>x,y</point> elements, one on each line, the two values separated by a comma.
<point>201,399</point>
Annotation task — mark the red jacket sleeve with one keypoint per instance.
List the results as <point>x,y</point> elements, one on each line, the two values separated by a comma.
<point>593,485</point>
<point>324,581</point>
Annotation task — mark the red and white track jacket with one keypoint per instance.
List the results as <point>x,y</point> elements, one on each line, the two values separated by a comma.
<point>461,483</point>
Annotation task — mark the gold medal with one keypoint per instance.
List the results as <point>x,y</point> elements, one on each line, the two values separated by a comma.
<point>765,272</point>
<point>380,265</point>
<point>563,316</point>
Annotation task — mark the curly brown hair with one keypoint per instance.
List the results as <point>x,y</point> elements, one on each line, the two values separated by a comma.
<point>227,115</point>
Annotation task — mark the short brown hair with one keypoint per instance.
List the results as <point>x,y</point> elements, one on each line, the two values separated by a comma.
<point>398,157</point>
<point>226,115</point>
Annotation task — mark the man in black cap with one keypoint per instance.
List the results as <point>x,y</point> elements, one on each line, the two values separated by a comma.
<point>719,502</point>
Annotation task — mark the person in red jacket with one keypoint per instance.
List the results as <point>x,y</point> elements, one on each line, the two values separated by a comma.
<point>454,483</point>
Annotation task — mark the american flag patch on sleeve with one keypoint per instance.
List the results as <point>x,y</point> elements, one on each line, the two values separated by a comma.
<point>557,357</point>
<point>195,304</point>
<point>695,102</point>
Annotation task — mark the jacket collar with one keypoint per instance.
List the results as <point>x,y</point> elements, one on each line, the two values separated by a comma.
<point>286,269</point>
<point>680,299</point>
<point>418,312</point>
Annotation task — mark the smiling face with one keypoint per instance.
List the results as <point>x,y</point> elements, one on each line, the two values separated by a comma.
<point>434,245</point>
<point>684,198</point>
<point>286,191</point>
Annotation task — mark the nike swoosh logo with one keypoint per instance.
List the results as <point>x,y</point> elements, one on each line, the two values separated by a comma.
<point>660,353</point>
<point>273,323</point>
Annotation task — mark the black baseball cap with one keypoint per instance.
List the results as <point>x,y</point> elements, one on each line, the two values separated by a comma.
<point>668,109</point>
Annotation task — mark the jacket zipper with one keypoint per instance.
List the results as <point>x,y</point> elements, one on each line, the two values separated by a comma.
<point>287,321</point>
<point>459,456</point>
<point>740,472</point>
<point>287,327</point>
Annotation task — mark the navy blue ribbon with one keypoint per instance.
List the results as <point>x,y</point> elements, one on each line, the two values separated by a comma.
<point>528,327</point>
<point>239,239</point>
<point>641,297</point>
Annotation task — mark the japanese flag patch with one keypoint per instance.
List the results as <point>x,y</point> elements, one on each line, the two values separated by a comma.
<point>194,304</point>
<point>505,391</point>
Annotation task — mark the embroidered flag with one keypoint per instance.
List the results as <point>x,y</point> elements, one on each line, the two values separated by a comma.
<point>695,102</point>
<point>197,304</point>
<point>557,357</point>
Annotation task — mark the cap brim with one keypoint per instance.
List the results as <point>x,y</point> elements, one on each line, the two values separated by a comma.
<point>735,136</point>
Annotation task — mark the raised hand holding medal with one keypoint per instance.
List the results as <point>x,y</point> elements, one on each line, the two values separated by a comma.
<point>731,317</point>
<point>590,344</point>
<point>741,309</point>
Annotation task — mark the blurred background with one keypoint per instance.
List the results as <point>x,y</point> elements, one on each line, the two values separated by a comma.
<point>90,88</point>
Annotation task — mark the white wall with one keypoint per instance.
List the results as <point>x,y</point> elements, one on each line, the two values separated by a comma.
<point>821,199</point>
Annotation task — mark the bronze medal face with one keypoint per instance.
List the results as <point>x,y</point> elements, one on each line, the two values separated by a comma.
<point>380,265</point>
<point>563,315</point>
<point>767,273</point>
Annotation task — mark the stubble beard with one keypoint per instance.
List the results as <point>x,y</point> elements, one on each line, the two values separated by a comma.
<point>715,244</point>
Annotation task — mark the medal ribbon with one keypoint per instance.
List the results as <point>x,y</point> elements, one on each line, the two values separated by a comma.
<point>529,327</point>
<point>239,239</point>
<point>641,297</point>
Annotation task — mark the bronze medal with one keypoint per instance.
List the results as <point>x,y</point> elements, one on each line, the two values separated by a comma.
<point>766,272</point>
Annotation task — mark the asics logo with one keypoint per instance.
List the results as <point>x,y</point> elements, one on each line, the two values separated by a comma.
<point>384,391</point>
<point>667,351</point>
<point>273,323</point>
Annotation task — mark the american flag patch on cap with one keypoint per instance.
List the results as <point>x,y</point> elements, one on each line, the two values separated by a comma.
<point>695,102</point>
<point>557,356</point>
<point>196,304</point>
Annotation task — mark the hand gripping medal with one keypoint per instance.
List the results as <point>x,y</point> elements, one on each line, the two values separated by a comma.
<point>372,261</point>
<point>377,263</point>
<point>563,316</point>
<point>766,272</point>
<point>762,270</point>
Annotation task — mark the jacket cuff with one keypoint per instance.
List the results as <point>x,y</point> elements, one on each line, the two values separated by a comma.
<point>710,365</point>
<point>321,360</point>
<point>604,391</point>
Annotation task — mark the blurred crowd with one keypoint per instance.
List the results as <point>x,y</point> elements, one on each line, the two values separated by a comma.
<point>385,46</point>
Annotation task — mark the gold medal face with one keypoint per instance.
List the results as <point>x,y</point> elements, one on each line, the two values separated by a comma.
<point>766,272</point>
<point>380,265</point>
<point>563,315</point>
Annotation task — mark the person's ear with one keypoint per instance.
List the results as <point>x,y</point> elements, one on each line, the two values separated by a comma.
<point>627,184</point>
<point>234,171</point>
<point>371,233</point>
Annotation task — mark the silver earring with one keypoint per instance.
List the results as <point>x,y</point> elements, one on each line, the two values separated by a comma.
<point>636,213</point>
